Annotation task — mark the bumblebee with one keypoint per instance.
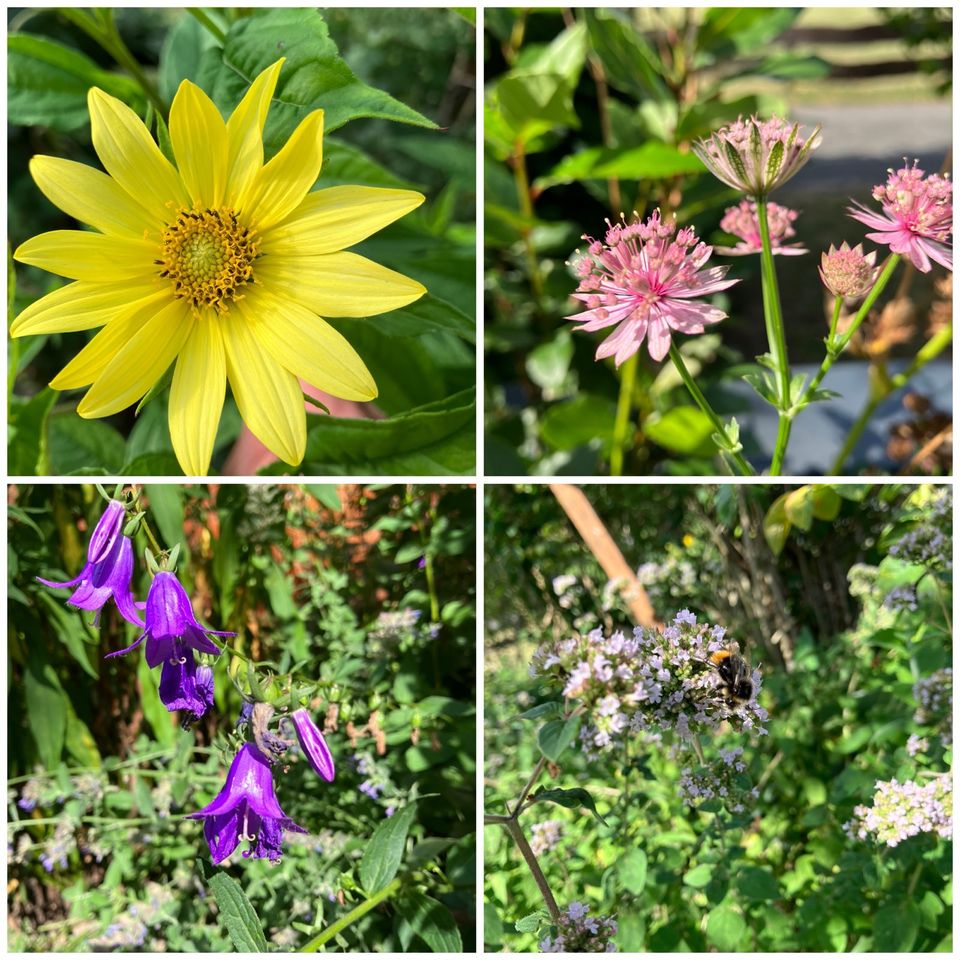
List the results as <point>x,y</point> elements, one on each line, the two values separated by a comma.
<point>735,673</point>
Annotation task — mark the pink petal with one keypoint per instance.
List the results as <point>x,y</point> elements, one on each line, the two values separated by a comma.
<point>658,338</point>
<point>686,317</point>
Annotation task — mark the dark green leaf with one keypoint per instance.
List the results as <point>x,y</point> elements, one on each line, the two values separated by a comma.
<point>630,63</point>
<point>28,434</point>
<point>572,799</point>
<point>384,853</point>
<point>243,925</point>
<point>726,929</point>
<point>83,446</point>
<point>549,709</point>
<point>47,709</point>
<point>556,735</point>
<point>433,923</point>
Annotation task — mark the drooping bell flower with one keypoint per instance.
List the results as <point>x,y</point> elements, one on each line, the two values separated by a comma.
<point>186,686</point>
<point>246,809</point>
<point>313,745</point>
<point>108,571</point>
<point>171,626</point>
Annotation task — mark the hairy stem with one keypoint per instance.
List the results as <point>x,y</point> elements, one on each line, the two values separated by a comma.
<point>516,831</point>
<point>361,910</point>
<point>621,423</point>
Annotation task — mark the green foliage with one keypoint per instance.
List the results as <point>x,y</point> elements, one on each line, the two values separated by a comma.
<point>786,875</point>
<point>321,583</point>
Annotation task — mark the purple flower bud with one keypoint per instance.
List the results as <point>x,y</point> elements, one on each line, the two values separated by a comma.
<point>313,745</point>
<point>108,570</point>
<point>171,627</point>
<point>185,686</point>
<point>246,809</point>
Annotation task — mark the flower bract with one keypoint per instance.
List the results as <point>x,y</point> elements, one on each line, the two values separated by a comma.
<point>917,216</point>
<point>108,571</point>
<point>221,264</point>
<point>312,744</point>
<point>246,809</point>
<point>847,271</point>
<point>645,282</point>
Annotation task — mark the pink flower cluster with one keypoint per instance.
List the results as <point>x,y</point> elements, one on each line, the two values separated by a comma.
<point>644,281</point>
<point>742,221</point>
<point>903,810</point>
<point>578,932</point>
<point>654,681</point>
<point>724,780</point>
<point>918,216</point>
<point>846,271</point>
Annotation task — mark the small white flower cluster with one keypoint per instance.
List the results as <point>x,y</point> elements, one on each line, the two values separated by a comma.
<point>903,810</point>
<point>653,681</point>
<point>934,697</point>
<point>722,781</point>
<point>917,744</point>
<point>578,932</point>
<point>545,836</point>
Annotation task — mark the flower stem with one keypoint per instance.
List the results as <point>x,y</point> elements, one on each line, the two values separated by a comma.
<point>361,910</point>
<point>516,831</point>
<point>204,20</point>
<point>701,401</point>
<point>929,351</point>
<point>835,319</point>
<point>519,163</point>
<point>776,339</point>
<point>628,378</point>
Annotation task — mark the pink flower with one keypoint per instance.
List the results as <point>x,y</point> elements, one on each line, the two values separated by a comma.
<point>742,222</point>
<point>846,271</point>
<point>644,282</point>
<point>755,156</point>
<point>919,216</point>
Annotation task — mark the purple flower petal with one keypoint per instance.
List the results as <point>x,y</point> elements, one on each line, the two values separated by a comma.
<point>313,745</point>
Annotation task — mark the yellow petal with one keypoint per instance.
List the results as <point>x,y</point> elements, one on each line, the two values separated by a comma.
<point>196,396</point>
<point>307,346</point>
<point>199,138</point>
<point>83,306</point>
<point>338,284</point>
<point>91,197</point>
<point>95,357</point>
<point>245,132</point>
<point>337,218</point>
<point>280,186</point>
<point>81,255</point>
<point>131,157</point>
<point>269,398</point>
<point>140,363</point>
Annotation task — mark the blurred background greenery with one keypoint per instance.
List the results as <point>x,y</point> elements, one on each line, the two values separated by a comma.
<point>324,582</point>
<point>589,114</point>
<point>797,576</point>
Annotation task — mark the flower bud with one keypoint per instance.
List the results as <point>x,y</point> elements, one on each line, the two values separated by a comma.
<point>313,745</point>
<point>848,272</point>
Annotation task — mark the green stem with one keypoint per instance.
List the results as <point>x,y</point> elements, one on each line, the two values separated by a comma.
<point>776,339</point>
<point>204,20</point>
<point>837,304</point>
<point>361,910</point>
<point>929,351</point>
<point>628,378</point>
<point>701,401</point>
<point>522,181</point>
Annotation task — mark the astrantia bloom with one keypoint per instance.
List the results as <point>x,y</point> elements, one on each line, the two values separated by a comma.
<point>108,570</point>
<point>756,156</point>
<point>186,686</point>
<point>246,809</point>
<point>847,271</point>
<point>919,216</point>
<point>172,630</point>
<point>644,280</point>
<point>742,221</point>
<point>312,744</point>
<point>222,263</point>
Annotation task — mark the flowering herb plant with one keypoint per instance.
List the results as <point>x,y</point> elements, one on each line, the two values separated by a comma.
<point>281,766</point>
<point>239,268</point>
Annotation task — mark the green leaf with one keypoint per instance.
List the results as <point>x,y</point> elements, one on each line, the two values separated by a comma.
<point>327,493</point>
<point>685,429</point>
<point>28,434</point>
<point>630,63</point>
<point>548,363</point>
<point>180,56</point>
<point>492,925</point>
<point>582,421</point>
<point>776,525</point>
<point>313,77</point>
<point>47,84</point>
<point>166,510</point>
<point>433,923</point>
<point>528,924</point>
<point>243,925</point>
<point>522,108</point>
<point>728,31</point>
<point>384,853</point>
<point>83,446</point>
<point>556,735</point>
<point>757,883</point>
<point>726,930</point>
<point>428,315</point>
<point>632,871</point>
<point>46,707</point>
<point>572,799</point>
<point>651,161</point>
<point>699,876</point>
<point>549,709</point>
<point>895,927</point>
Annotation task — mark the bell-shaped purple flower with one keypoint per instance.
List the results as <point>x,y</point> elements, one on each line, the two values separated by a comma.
<point>171,627</point>
<point>108,571</point>
<point>186,686</point>
<point>312,744</point>
<point>246,809</point>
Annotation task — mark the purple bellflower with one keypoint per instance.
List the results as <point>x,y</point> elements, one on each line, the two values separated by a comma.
<point>186,686</point>
<point>313,745</point>
<point>246,809</point>
<point>172,630</point>
<point>108,570</point>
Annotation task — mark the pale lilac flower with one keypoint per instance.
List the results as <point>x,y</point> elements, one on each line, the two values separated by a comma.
<point>313,745</point>
<point>578,932</point>
<point>847,271</point>
<point>917,744</point>
<point>901,598</point>
<point>918,216</point>
<point>545,836</point>
<point>742,221</point>
<point>755,156</point>
<point>903,810</point>
<point>644,281</point>
<point>108,571</point>
<point>934,697</point>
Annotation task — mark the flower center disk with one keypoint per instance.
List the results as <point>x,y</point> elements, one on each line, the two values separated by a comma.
<point>208,256</point>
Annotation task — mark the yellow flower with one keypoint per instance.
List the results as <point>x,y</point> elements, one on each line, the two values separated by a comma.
<point>222,263</point>
<point>688,540</point>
